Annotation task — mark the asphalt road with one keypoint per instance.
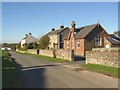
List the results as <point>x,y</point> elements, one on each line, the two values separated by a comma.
<point>38,73</point>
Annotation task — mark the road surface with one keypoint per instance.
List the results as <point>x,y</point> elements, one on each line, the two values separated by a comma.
<point>37,73</point>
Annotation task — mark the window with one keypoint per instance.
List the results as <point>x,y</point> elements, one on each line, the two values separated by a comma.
<point>78,44</point>
<point>97,41</point>
<point>67,43</point>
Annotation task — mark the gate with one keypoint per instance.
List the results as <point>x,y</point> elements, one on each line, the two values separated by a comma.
<point>72,55</point>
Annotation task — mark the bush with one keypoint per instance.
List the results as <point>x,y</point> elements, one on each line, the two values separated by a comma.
<point>22,49</point>
<point>44,42</point>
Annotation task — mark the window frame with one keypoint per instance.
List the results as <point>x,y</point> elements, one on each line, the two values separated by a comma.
<point>78,44</point>
<point>97,40</point>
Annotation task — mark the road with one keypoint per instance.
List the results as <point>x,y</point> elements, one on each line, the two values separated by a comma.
<point>37,73</point>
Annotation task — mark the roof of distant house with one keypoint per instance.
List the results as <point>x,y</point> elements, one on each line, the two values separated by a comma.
<point>30,39</point>
<point>115,36</point>
<point>113,41</point>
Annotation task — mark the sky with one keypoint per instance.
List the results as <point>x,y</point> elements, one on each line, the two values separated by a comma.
<point>19,18</point>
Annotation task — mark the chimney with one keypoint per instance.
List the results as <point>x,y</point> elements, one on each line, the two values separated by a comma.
<point>98,23</point>
<point>30,34</point>
<point>26,35</point>
<point>61,27</point>
<point>73,24</point>
<point>53,29</point>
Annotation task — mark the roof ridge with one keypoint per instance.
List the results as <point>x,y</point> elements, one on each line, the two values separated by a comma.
<point>63,29</point>
<point>86,26</point>
<point>90,25</point>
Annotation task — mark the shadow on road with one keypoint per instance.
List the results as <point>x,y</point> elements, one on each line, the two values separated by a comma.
<point>31,77</point>
<point>49,65</point>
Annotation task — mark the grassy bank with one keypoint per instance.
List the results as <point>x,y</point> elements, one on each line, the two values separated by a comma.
<point>55,60</point>
<point>110,71</point>
<point>10,77</point>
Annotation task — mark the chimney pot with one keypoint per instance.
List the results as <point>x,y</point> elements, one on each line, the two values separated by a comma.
<point>61,27</point>
<point>30,34</point>
<point>53,29</point>
<point>73,24</point>
<point>26,35</point>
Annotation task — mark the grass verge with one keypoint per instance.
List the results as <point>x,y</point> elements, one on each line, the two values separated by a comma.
<point>55,60</point>
<point>10,77</point>
<point>110,71</point>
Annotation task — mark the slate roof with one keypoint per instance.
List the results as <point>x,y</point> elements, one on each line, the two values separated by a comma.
<point>65,33</point>
<point>115,36</point>
<point>56,31</point>
<point>30,39</point>
<point>85,30</point>
<point>81,32</point>
<point>113,41</point>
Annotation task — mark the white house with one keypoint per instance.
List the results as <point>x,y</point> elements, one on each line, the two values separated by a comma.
<point>28,39</point>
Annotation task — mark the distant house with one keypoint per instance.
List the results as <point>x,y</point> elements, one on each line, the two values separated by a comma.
<point>57,37</point>
<point>112,41</point>
<point>28,39</point>
<point>85,38</point>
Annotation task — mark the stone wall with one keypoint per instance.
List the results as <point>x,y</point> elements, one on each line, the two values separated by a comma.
<point>103,57</point>
<point>32,51</point>
<point>46,52</point>
<point>64,54</point>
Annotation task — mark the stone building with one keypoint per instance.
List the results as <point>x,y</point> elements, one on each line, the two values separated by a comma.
<point>28,39</point>
<point>56,37</point>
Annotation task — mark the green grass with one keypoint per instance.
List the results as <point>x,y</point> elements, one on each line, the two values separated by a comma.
<point>10,77</point>
<point>55,60</point>
<point>110,71</point>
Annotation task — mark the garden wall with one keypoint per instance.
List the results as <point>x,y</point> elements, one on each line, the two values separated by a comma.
<point>32,51</point>
<point>62,54</point>
<point>107,57</point>
<point>46,52</point>
<point>65,54</point>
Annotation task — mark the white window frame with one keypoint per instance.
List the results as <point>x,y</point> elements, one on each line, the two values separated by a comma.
<point>78,44</point>
<point>97,40</point>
